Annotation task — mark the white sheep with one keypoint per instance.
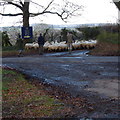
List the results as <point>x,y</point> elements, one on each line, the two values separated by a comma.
<point>46,45</point>
<point>35,46</point>
<point>76,45</point>
<point>55,46</point>
<point>28,46</point>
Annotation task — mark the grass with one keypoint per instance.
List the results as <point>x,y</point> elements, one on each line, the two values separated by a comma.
<point>105,49</point>
<point>108,45</point>
<point>9,48</point>
<point>23,99</point>
<point>108,37</point>
<point>14,52</point>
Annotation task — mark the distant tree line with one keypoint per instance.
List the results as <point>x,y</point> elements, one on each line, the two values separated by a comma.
<point>94,32</point>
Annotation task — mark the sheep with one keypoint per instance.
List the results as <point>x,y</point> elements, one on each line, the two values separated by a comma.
<point>56,46</point>
<point>28,46</point>
<point>76,45</point>
<point>62,46</point>
<point>35,46</point>
<point>46,45</point>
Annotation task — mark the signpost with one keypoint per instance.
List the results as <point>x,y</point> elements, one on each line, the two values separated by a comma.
<point>27,32</point>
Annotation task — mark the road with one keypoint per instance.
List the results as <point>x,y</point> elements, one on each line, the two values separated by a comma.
<point>94,77</point>
<point>76,72</point>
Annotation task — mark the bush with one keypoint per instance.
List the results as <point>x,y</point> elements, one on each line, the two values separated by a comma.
<point>108,37</point>
<point>89,32</point>
<point>108,44</point>
<point>5,39</point>
<point>9,48</point>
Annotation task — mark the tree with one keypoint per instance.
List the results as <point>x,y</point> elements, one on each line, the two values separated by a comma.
<point>89,32</point>
<point>5,39</point>
<point>117,3</point>
<point>64,34</point>
<point>64,11</point>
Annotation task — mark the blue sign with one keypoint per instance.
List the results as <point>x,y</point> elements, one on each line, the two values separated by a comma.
<point>27,32</point>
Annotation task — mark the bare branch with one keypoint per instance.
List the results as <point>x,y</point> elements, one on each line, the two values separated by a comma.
<point>11,14</point>
<point>37,4</point>
<point>16,5</point>
<point>21,3</point>
<point>36,14</point>
<point>65,10</point>
<point>48,5</point>
<point>69,9</point>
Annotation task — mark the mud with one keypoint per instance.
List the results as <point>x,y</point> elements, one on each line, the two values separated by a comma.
<point>92,77</point>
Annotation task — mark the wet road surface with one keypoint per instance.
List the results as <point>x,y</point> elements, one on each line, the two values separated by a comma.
<point>93,77</point>
<point>77,72</point>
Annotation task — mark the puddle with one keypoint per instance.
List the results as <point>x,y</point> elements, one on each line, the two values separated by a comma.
<point>54,54</point>
<point>65,65</point>
<point>69,81</point>
<point>80,84</point>
<point>74,53</point>
<point>109,74</point>
<point>71,57</point>
<point>80,53</point>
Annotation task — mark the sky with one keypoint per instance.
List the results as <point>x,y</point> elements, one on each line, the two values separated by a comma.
<point>94,11</point>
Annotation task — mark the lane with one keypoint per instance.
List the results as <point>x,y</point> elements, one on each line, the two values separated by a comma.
<point>76,74</point>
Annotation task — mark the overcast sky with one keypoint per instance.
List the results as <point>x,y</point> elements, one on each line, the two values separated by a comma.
<point>95,11</point>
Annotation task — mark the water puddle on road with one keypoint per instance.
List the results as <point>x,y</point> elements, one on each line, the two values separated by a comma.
<point>73,54</point>
<point>109,74</point>
<point>80,84</point>
<point>68,81</point>
<point>71,57</point>
<point>55,54</point>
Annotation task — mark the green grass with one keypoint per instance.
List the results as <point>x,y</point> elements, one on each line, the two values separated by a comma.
<point>108,38</point>
<point>13,51</point>
<point>9,48</point>
<point>21,98</point>
<point>108,45</point>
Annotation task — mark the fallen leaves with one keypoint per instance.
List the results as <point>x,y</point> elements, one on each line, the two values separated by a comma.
<point>23,99</point>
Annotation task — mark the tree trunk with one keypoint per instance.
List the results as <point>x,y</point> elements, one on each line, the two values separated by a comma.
<point>26,18</point>
<point>26,14</point>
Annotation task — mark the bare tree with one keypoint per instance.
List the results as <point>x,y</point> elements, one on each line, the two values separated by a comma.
<point>64,11</point>
<point>117,3</point>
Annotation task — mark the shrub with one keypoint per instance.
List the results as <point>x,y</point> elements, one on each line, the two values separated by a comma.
<point>108,44</point>
<point>9,48</point>
<point>108,37</point>
<point>89,32</point>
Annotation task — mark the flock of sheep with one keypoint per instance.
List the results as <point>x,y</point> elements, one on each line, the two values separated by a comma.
<point>62,46</point>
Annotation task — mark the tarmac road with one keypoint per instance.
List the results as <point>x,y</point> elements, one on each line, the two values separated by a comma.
<point>93,77</point>
<point>76,72</point>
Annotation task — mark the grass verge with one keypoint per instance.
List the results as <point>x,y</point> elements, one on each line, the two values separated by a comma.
<point>108,45</point>
<point>106,49</point>
<point>22,99</point>
<point>9,53</point>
